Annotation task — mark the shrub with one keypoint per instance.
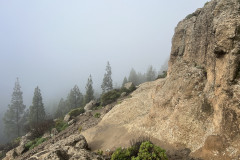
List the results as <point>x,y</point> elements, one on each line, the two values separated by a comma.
<point>76,112</point>
<point>61,125</point>
<point>163,75</point>
<point>121,154</point>
<point>146,151</point>
<point>191,15</point>
<point>2,154</point>
<point>206,3</point>
<point>30,145</point>
<point>110,97</point>
<point>99,152</point>
<point>150,151</point>
<point>131,89</point>
<point>80,129</point>
<point>38,129</point>
<point>113,95</point>
<point>97,115</point>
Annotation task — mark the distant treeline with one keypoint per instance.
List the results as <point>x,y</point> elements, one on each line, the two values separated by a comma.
<point>19,119</point>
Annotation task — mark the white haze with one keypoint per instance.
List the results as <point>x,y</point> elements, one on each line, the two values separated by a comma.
<point>57,44</point>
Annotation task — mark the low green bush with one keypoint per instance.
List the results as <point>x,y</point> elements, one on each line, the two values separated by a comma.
<point>2,155</point>
<point>190,15</point>
<point>150,151</point>
<point>110,97</point>
<point>75,112</point>
<point>99,152</point>
<point>60,125</point>
<point>113,95</point>
<point>97,115</point>
<point>121,154</point>
<point>163,75</point>
<point>34,143</point>
<point>146,151</point>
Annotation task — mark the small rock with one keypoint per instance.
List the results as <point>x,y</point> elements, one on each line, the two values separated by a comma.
<point>67,118</point>
<point>89,113</point>
<point>54,132</point>
<point>46,135</point>
<point>28,135</point>
<point>128,85</point>
<point>123,94</point>
<point>20,149</point>
<point>107,108</point>
<point>71,122</point>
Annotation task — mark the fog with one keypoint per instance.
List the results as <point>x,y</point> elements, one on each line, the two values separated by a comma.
<point>57,44</point>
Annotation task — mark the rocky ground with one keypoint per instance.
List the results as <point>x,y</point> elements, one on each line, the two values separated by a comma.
<point>71,144</point>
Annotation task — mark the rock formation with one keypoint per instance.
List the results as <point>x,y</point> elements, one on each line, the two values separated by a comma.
<point>73,147</point>
<point>197,106</point>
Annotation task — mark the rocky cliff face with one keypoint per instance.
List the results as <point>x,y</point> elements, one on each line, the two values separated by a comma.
<point>198,105</point>
<point>202,92</point>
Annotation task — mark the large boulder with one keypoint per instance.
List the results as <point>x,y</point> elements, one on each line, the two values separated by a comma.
<point>73,147</point>
<point>67,118</point>
<point>128,85</point>
<point>90,105</point>
<point>11,155</point>
<point>23,141</point>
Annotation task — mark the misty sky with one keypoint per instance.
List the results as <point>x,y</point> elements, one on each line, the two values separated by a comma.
<point>55,44</point>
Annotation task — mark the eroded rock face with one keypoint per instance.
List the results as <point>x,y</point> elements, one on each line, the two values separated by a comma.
<point>200,97</point>
<point>198,104</point>
<point>73,147</point>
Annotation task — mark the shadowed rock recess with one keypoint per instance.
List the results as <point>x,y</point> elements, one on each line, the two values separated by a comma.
<point>197,106</point>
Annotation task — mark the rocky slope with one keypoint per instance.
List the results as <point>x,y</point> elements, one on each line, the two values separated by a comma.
<point>198,105</point>
<point>195,109</point>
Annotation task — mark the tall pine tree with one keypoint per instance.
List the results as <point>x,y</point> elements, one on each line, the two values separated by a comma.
<point>133,77</point>
<point>89,90</point>
<point>107,79</point>
<point>151,74</point>
<point>75,98</point>
<point>36,111</point>
<point>13,118</point>
<point>62,109</point>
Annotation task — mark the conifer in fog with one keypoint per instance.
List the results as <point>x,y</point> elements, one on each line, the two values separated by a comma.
<point>36,111</point>
<point>107,79</point>
<point>89,90</point>
<point>75,98</point>
<point>13,118</point>
<point>124,81</point>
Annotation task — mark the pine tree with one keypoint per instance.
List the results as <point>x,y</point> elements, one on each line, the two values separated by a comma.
<point>75,98</point>
<point>133,77</point>
<point>124,81</point>
<point>151,74</point>
<point>37,111</point>
<point>62,108</point>
<point>13,118</point>
<point>107,79</point>
<point>89,90</point>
